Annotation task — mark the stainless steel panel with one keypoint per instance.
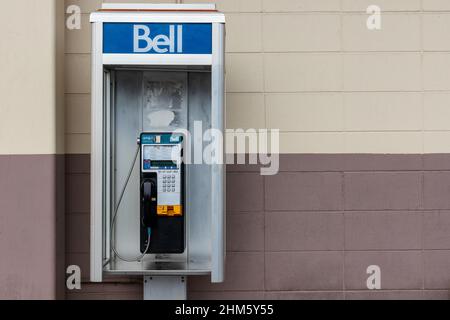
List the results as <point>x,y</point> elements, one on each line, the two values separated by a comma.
<point>128,126</point>
<point>218,238</point>
<point>165,101</point>
<point>138,94</point>
<point>199,175</point>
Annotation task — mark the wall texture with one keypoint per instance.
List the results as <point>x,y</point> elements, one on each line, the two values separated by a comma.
<point>31,150</point>
<point>365,175</point>
<point>313,70</point>
<point>311,231</point>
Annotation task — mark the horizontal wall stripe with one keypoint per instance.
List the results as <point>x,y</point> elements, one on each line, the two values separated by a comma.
<point>395,143</point>
<point>80,163</point>
<point>342,212</point>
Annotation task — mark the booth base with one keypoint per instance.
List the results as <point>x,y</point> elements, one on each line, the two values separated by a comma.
<point>158,268</point>
<point>165,288</point>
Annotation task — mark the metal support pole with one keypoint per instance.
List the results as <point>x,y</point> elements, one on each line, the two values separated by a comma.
<point>165,288</point>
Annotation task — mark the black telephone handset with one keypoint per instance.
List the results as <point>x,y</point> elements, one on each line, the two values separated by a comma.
<point>149,194</point>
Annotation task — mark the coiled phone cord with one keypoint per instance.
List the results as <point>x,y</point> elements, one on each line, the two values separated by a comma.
<point>116,211</point>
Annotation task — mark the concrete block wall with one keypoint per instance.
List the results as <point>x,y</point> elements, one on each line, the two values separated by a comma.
<point>365,171</point>
<point>32,213</point>
<point>313,70</point>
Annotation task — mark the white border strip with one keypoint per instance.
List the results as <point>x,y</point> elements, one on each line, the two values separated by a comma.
<point>97,156</point>
<point>157,59</point>
<point>218,180</point>
<point>160,17</point>
<point>158,6</point>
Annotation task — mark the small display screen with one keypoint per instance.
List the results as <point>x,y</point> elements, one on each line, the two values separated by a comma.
<point>161,156</point>
<point>162,164</point>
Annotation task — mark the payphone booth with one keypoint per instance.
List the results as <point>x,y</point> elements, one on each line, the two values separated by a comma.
<point>157,77</point>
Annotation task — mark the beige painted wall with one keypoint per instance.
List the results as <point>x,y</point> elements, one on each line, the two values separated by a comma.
<point>31,82</point>
<point>312,69</point>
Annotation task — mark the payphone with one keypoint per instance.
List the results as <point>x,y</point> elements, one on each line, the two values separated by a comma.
<point>157,71</point>
<point>162,193</point>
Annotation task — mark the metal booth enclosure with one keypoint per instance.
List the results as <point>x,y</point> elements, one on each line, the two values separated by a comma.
<point>157,75</point>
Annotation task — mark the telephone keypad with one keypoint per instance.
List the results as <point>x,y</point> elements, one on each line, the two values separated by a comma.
<point>168,182</point>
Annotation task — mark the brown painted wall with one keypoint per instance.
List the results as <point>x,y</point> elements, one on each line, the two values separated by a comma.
<point>31,150</point>
<point>310,231</point>
<point>31,227</point>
